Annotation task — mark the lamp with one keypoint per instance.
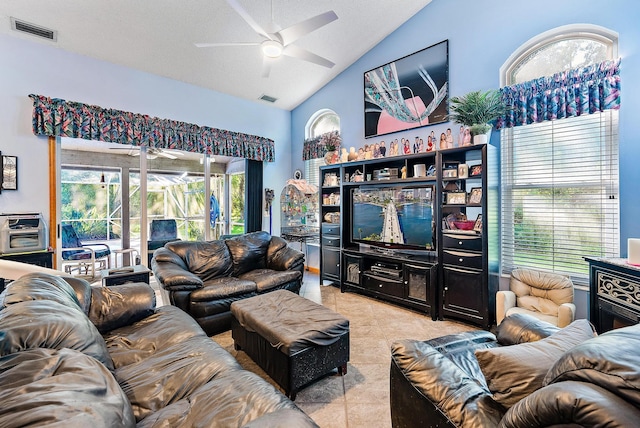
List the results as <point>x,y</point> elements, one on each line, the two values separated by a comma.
<point>271,48</point>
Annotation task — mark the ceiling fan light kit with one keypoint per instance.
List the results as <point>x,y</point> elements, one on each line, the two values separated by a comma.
<point>271,48</point>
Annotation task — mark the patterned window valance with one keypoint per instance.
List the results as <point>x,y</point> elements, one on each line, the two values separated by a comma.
<point>569,93</point>
<point>317,147</point>
<point>57,117</point>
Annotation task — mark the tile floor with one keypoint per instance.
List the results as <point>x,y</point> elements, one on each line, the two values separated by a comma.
<point>361,397</point>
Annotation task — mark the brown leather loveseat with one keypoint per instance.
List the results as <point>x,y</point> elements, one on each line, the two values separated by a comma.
<point>204,278</point>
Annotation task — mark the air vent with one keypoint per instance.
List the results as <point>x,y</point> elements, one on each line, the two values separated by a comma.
<point>268,99</point>
<point>33,29</point>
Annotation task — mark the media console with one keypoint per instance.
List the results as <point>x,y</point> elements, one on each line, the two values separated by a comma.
<point>419,230</point>
<point>409,280</point>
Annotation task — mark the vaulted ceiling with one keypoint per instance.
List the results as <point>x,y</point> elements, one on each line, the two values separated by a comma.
<point>159,36</point>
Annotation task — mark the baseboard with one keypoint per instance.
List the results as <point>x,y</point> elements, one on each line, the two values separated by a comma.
<point>313,269</point>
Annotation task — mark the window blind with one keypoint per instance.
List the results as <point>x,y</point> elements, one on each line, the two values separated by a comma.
<point>312,170</point>
<point>559,184</point>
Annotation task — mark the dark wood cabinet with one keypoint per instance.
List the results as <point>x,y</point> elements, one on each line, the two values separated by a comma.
<point>409,281</point>
<point>469,193</point>
<point>330,229</point>
<point>452,276</point>
<point>614,293</point>
<point>38,258</point>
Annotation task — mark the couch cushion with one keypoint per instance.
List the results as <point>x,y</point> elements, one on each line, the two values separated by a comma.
<point>42,286</point>
<point>163,358</point>
<point>222,288</point>
<point>62,387</point>
<point>232,399</point>
<point>49,324</point>
<point>610,360</point>
<point>206,259</point>
<point>513,372</point>
<point>248,251</point>
<point>266,279</point>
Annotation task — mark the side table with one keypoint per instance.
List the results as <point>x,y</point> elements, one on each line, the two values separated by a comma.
<point>137,273</point>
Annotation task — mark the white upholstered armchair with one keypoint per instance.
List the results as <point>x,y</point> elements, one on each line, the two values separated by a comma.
<point>545,295</point>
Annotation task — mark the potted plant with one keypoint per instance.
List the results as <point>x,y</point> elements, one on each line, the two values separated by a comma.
<point>477,110</point>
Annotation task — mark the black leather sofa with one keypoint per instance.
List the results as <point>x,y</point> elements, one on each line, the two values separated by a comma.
<point>74,355</point>
<point>530,374</point>
<point>204,278</point>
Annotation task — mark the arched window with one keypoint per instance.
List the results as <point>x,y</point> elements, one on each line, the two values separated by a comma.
<point>559,178</point>
<point>321,122</point>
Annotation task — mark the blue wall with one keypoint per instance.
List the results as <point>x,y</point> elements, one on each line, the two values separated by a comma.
<point>31,67</point>
<point>482,35</point>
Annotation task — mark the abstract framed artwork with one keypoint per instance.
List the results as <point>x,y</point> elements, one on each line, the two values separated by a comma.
<point>407,93</point>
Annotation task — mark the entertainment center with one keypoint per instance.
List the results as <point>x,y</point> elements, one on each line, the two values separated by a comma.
<point>418,230</point>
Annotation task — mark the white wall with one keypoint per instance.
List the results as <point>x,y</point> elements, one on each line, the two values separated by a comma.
<point>30,67</point>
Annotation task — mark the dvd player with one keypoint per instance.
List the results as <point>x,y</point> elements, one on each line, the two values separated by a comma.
<point>386,271</point>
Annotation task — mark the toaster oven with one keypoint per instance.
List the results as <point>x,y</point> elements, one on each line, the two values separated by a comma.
<point>20,233</point>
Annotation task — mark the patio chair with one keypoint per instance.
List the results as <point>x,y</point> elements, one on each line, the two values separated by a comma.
<point>160,232</point>
<point>83,257</point>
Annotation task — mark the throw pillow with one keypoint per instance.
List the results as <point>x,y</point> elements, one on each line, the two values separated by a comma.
<point>514,372</point>
<point>610,361</point>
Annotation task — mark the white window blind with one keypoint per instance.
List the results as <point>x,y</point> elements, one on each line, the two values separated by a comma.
<point>312,170</point>
<point>560,194</point>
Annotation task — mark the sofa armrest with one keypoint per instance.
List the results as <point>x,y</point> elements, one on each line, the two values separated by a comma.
<point>505,300</point>
<point>172,273</point>
<point>120,305</point>
<point>571,404</point>
<point>427,387</point>
<point>282,257</point>
<point>566,314</point>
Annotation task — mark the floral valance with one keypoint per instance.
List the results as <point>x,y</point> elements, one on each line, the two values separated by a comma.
<point>569,93</point>
<point>317,147</point>
<point>57,117</point>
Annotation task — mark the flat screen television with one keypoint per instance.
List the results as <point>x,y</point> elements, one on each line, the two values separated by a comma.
<point>394,217</point>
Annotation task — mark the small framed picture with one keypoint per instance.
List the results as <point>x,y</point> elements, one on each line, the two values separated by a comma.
<point>450,173</point>
<point>475,196</point>
<point>456,198</point>
<point>463,170</point>
<point>478,224</point>
<point>475,170</point>
<point>449,221</point>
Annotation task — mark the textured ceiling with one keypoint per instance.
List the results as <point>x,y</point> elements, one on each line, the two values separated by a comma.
<point>158,36</point>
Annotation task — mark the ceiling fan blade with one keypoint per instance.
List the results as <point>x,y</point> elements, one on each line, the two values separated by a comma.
<point>211,45</point>
<point>243,13</point>
<point>293,33</point>
<point>266,65</point>
<point>297,52</point>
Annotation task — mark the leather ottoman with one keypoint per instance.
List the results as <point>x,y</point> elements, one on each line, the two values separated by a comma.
<point>294,340</point>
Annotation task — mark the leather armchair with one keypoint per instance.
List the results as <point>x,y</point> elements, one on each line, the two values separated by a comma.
<point>544,295</point>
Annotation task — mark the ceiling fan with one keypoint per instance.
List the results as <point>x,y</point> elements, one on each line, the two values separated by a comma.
<point>152,152</point>
<point>280,42</point>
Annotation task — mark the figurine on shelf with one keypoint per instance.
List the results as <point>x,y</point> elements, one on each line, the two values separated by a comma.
<point>404,171</point>
<point>352,154</point>
<point>344,155</point>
